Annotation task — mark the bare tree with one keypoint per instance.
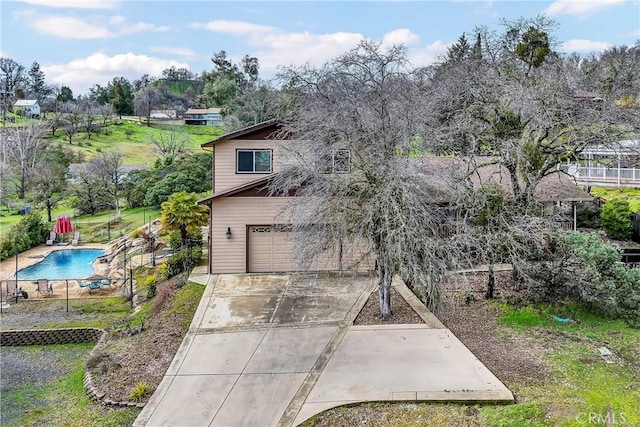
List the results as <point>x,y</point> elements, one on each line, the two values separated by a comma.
<point>22,146</point>
<point>11,77</point>
<point>109,166</point>
<point>170,144</point>
<point>357,189</point>
<point>48,185</point>
<point>144,101</point>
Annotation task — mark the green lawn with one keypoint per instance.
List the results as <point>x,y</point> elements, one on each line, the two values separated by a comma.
<point>632,195</point>
<point>134,139</point>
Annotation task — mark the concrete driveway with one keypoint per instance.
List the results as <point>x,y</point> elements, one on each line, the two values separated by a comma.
<point>273,350</point>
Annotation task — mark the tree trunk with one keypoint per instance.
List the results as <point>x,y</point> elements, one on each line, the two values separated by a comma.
<point>491,282</point>
<point>49,207</point>
<point>384,294</point>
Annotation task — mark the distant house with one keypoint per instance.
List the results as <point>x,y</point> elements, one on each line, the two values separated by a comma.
<point>30,108</point>
<point>75,170</point>
<point>203,116</point>
<point>163,114</point>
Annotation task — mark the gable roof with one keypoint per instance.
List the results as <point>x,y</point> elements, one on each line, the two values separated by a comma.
<point>259,131</point>
<point>26,102</point>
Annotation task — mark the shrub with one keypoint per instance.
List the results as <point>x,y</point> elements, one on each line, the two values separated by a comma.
<point>29,232</point>
<point>150,283</point>
<point>588,215</point>
<point>139,391</point>
<point>182,261</point>
<point>616,219</point>
<point>583,268</point>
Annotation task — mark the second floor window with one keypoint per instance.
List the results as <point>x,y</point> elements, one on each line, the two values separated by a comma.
<point>339,161</point>
<point>253,161</point>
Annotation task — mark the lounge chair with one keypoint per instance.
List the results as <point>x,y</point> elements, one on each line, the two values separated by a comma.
<point>44,288</point>
<point>15,291</point>
<point>52,238</point>
<point>94,286</point>
<point>105,282</point>
<point>76,238</point>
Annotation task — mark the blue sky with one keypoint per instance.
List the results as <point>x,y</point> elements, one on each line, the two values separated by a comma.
<point>82,42</point>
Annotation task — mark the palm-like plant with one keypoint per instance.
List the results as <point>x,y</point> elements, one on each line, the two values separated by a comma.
<point>181,213</point>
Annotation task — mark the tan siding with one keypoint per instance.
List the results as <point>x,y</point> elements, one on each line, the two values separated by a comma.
<point>229,256</point>
<point>225,162</point>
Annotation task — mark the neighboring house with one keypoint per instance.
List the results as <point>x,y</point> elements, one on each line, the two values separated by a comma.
<point>163,114</point>
<point>246,237</point>
<point>30,108</point>
<point>203,116</point>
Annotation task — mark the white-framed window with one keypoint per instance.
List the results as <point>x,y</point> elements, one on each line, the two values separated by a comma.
<point>338,161</point>
<point>253,161</point>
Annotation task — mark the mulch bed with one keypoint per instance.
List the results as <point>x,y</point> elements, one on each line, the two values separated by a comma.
<point>401,311</point>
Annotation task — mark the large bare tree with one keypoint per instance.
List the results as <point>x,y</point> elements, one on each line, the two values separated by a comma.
<point>109,167</point>
<point>22,147</point>
<point>358,190</point>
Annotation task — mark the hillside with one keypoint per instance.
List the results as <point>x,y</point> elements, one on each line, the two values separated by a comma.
<point>134,139</point>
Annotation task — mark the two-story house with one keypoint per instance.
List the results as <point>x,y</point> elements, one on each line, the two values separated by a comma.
<point>246,232</point>
<point>203,116</point>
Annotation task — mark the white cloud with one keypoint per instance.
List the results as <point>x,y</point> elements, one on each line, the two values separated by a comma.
<point>275,47</point>
<point>428,54</point>
<point>179,51</point>
<point>82,73</point>
<point>581,46</point>
<point>236,28</point>
<point>78,4</point>
<point>400,36</point>
<point>71,27</point>
<point>580,7</point>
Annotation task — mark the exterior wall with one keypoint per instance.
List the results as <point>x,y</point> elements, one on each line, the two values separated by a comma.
<point>230,255</point>
<point>225,162</point>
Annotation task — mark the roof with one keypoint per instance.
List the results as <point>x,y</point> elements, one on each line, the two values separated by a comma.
<point>262,181</point>
<point>557,186</point>
<point>26,102</point>
<point>260,130</point>
<point>204,111</point>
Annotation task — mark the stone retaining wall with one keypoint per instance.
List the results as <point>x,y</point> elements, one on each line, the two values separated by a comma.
<point>49,336</point>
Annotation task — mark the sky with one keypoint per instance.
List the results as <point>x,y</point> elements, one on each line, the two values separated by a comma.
<point>79,43</point>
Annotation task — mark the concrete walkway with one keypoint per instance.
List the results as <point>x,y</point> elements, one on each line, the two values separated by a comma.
<point>273,350</point>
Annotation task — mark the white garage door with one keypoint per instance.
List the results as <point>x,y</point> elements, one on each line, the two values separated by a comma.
<point>271,250</point>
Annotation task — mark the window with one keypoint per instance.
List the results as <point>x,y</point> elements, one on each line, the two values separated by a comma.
<point>338,161</point>
<point>253,161</point>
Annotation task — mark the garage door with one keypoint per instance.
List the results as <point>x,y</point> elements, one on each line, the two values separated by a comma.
<point>271,250</point>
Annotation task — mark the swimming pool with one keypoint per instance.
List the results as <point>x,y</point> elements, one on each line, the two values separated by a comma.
<point>63,264</point>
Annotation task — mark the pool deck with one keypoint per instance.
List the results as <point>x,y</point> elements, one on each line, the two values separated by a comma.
<point>34,255</point>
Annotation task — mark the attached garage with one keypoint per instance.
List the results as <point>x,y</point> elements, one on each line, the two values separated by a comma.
<point>270,249</point>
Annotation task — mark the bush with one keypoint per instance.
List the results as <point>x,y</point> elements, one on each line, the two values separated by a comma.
<point>616,219</point>
<point>150,282</point>
<point>588,215</point>
<point>584,269</point>
<point>182,261</point>
<point>29,232</point>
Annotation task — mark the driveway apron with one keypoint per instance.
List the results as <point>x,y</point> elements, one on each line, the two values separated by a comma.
<point>273,350</point>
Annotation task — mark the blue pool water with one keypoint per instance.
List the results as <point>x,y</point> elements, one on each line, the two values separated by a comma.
<point>63,264</point>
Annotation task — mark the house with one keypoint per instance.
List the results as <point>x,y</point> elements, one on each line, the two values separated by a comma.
<point>163,114</point>
<point>246,237</point>
<point>203,116</point>
<point>30,108</point>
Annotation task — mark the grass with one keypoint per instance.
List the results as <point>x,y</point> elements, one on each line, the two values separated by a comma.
<point>62,399</point>
<point>134,140</point>
<point>100,227</point>
<point>632,195</point>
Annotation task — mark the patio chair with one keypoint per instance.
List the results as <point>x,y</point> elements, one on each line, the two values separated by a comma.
<point>76,238</point>
<point>94,286</point>
<point>52,238</point>
<point>15,291</point>
<point>44,288</point>
<point>105,282</point>
<point>83,285</point>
